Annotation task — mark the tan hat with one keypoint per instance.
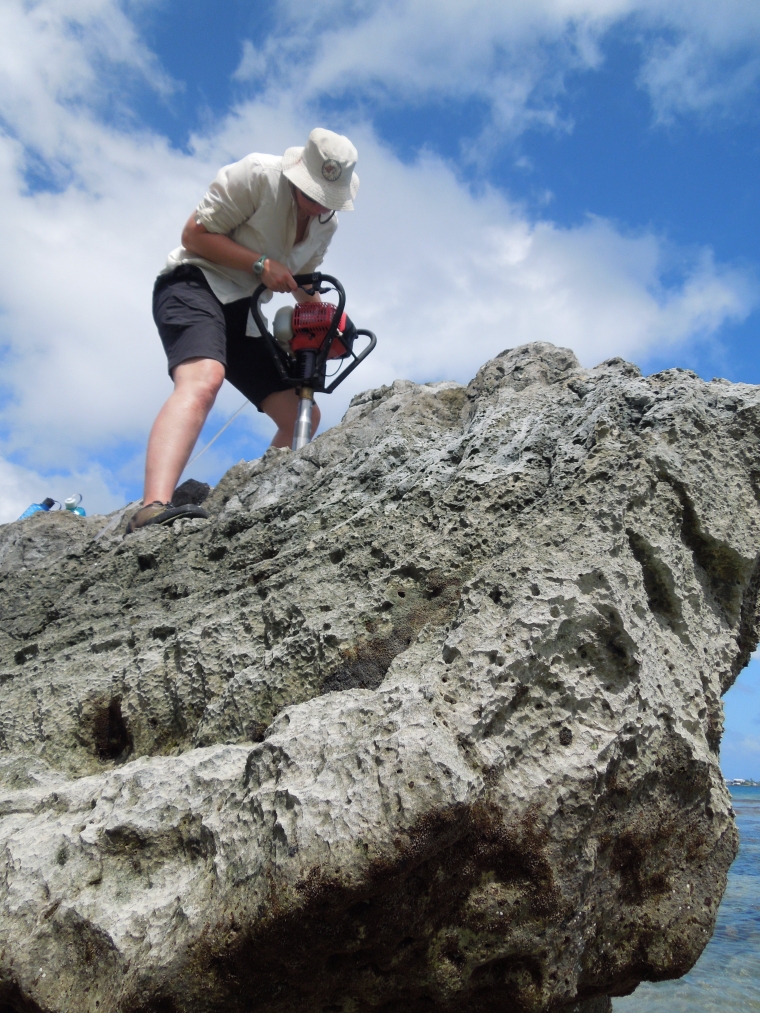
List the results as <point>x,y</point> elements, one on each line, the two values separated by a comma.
<point>324,169</point>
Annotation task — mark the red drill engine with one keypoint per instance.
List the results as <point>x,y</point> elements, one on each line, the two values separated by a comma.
<point>311,322</point>
<point>305,338</point>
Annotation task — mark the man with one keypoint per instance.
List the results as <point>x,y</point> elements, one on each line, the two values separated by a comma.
<point>264,219</point>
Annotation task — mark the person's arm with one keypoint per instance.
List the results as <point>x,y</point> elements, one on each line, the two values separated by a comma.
<point>311,266</point>
<point>301,296</point>
<point>220,249</point>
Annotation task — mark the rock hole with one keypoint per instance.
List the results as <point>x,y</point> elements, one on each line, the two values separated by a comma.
<point>256,731</point>
<point>162,632</point>
<point>13,1001</point>
<point>455,956</point>
<point>725,570</point>
<point>410,570</point>
<point>112,738</point>
<point>658,580</point>
<point>147,562</point>
<point>24,655</point>
<point>565,736</point>
<point>450,653</point>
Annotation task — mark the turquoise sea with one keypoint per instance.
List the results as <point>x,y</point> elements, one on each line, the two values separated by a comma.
<point>726,978</point>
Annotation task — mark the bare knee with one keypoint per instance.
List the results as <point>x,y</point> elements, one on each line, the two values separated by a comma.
<point>198,381</point>
<point>204,394</point>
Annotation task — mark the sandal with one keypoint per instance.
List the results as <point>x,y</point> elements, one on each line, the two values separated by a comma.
<point>162,513</point>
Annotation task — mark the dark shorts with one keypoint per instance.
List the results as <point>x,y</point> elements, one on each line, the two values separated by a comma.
<point>192,322</point>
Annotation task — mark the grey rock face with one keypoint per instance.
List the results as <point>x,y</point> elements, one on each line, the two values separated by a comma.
<point>426,717</point>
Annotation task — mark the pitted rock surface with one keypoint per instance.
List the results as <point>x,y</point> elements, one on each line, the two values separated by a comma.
<point>425,718</point>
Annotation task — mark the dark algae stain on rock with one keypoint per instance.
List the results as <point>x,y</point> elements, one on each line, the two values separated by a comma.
<point>409,938</point>
<point>425,718</point>
<point>427,599</point>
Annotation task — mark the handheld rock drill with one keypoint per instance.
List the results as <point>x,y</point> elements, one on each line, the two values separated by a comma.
<point>305,337</point>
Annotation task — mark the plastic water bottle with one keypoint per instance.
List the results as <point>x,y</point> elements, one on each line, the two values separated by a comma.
<point>72,505</point>
<point>35,508</point>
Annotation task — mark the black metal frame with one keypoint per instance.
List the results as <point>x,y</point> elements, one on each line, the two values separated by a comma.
<point>308,368</point>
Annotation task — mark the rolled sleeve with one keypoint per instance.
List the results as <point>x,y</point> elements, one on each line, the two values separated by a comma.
<point>232,198</point>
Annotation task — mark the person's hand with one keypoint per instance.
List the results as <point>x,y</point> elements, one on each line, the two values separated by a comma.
<point>277,277</point>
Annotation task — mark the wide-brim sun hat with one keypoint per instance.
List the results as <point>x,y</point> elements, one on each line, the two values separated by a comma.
<point>324,169</point>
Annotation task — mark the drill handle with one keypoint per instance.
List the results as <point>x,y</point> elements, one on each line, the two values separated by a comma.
<point>311,284</point>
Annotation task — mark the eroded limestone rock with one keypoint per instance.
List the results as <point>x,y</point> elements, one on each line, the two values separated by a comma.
<point>426,717</point>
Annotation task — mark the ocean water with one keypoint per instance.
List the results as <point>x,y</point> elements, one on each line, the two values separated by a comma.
<point>726,978</point>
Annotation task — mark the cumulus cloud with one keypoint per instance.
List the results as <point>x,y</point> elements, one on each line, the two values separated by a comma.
<point>447,277</point>
<point>444,277</point>
<point>461,277</point>
<point>691,77</point>
<point>253,63</point>
<point>513,57</point>
<point>63,54</point>
<point>697,56</point>
<point>19,487</point>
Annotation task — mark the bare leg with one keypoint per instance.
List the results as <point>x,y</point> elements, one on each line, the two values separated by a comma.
<point>173,436</point>
<point>282,408</point>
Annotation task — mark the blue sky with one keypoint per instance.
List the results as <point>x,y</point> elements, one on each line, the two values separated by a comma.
<point>740,751</point>
<point>579,171</point>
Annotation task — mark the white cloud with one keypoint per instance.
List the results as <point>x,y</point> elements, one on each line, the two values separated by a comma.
<point>19,487</point>
<point>692,76</point>
<point>511,56</point>
<point>445,277</point>
<point>253,63</point>
<point>698,56</point>
<point>462,277</point>
<point>58,54</point>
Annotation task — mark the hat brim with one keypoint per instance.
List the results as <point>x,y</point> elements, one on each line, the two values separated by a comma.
<point>329,195</point>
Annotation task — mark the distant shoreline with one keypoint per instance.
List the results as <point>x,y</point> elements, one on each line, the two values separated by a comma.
<point>742,782</point>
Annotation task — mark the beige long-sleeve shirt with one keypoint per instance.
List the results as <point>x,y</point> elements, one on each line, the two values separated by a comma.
<point>251,202</point>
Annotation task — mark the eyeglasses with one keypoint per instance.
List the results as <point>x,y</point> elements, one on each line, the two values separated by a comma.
<point>311,200</point>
